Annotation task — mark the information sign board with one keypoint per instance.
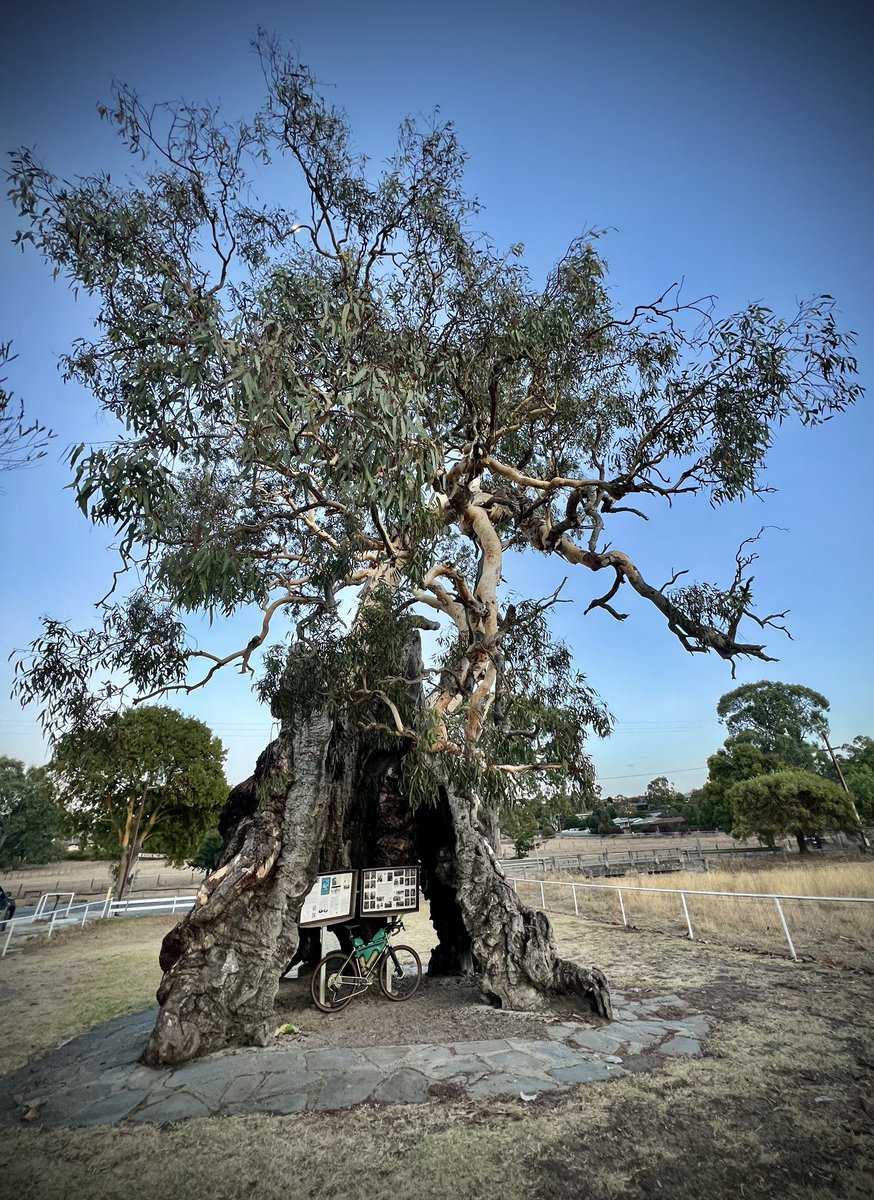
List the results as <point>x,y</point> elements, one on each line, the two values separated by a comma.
<point>388,890</point>
<point>330,900</point>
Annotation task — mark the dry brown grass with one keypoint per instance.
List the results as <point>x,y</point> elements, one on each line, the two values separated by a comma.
<point>92,878</point>
<point>775,1109</point>
<point>620,845</point>
<point>836,931</point>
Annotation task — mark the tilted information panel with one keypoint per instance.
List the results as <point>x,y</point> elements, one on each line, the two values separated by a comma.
<point>331,899</point>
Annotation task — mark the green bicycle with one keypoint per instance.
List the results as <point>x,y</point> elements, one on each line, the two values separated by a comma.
<point>339,977</point>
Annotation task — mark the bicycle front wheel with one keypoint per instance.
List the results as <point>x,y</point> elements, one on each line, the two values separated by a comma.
<point>335,981</point>
<point>400,973</point>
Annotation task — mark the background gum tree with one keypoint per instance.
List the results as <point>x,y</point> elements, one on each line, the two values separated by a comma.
<point>790,802</point>
<point>146,775</point>
<point>740,758</point>
<point>856,762</point>
<point>773,727</point>
<point>781,719</point>
<point>31,820</point>
<point>360,407</point>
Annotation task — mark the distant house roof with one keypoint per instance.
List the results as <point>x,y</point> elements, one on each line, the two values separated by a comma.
<point>652,821</point>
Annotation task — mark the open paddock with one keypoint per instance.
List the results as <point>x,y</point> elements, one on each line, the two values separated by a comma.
<point>839,932</point>
<point>777,1106</point>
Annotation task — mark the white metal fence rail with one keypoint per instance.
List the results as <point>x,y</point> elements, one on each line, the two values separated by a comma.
<point>45,921</point>
<point>42,921</point>
<point>683,893</point>
<point>43,903</point>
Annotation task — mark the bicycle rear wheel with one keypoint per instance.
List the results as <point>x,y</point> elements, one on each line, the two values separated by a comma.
<point>400,973</point>
<point>335,981</point>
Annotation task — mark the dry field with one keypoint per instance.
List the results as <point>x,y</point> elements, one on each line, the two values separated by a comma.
<point>90,879</point>
<point>836,932</point>
<point>777,1106</point>
<point>621,843</point>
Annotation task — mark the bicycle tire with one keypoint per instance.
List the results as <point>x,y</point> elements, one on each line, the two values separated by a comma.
<point>329,991</point>
<point>395,986</point>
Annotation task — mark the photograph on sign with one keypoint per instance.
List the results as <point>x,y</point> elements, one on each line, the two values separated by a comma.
<point>389,889</point>
<point>330,900</point>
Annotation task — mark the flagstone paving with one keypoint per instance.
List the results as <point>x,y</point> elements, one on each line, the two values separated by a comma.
<point>95,1079</point>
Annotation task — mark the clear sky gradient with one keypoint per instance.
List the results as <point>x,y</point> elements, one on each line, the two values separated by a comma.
<point>728,145</point>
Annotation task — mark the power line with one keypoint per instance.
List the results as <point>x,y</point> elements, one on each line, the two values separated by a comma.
<point>653,773</point>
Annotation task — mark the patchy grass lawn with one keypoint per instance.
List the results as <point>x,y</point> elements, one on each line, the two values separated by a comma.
<point>55,988</point>
<point>778,1106</point>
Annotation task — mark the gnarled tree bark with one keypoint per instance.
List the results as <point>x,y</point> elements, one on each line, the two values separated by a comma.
<point>222,963</point>
<point>319,800</point>
<point>510,945</point>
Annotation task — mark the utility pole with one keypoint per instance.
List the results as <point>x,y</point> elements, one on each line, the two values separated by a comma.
<point>866,845</point>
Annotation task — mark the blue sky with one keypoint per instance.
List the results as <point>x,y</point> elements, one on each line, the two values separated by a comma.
<point>728,145</point>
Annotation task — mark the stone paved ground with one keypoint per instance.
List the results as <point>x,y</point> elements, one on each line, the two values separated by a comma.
<point>95,1079</point>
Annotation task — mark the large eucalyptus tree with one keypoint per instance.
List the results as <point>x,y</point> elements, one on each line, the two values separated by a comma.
<point>346,416</point>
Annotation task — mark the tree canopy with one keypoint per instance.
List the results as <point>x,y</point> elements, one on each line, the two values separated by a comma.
<point>149,774</point>
<point>661,794</point>
<point>790,802</point>
<point>771,730</point>
<point>856,762</point>
<point>740,758</point>
<point>363,395</point>
<point>779,718</point>
<point>30,818</point>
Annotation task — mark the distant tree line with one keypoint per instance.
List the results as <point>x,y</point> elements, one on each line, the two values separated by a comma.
<point>775,776</point>
<point>151,778</point>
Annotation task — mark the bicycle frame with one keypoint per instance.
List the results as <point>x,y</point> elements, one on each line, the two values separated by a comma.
<point>388,952</point>
<point>362,966</point>
<point>363,975</point>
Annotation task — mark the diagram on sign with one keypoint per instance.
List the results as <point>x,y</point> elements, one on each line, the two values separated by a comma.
<point>389,889</point>
<point>330,900</point>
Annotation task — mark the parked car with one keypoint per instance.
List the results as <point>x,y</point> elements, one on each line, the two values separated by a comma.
<point>7,908</point>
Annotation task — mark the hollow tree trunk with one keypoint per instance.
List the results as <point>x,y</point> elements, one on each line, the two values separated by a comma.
<point>511,946</point>
<point>321,799</point>
<point>436,841</point>
<point>318,801</point>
